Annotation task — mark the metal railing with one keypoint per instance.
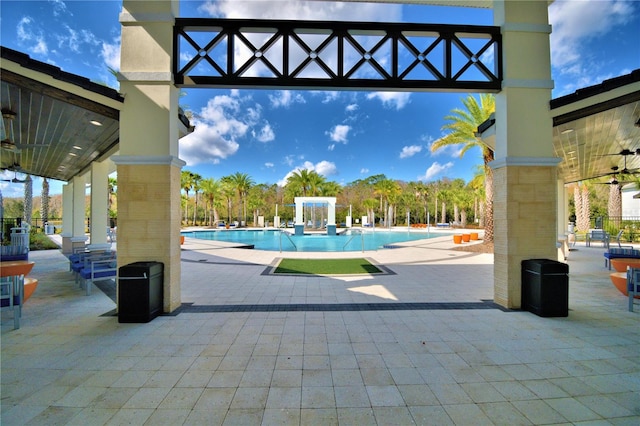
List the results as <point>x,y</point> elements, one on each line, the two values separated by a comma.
<point>282,231</point>
<point>355,233</point>
<point>630,225</point>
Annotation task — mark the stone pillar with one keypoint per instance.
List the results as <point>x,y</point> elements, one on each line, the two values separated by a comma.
<point>73,208</point>
<point>67,217</point>
<point>525,171</point>
<point>99,204</point>
<point>148,165</point>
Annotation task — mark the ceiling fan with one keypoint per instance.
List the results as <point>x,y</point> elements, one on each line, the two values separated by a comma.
<point>625,152</point>
<point>614,180</point>
<point>15,178</point>
<point>623,171</point>
<point>7,143</point>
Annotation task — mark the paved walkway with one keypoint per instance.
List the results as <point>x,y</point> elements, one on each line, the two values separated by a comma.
<point>456,360</point>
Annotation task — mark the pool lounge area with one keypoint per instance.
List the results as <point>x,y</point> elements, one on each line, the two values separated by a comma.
<point>249,348</point>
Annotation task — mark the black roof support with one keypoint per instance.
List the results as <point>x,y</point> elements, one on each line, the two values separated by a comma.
<point>336,55</point>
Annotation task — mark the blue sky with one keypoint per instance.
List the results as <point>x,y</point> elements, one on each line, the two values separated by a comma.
<point>345,135</point>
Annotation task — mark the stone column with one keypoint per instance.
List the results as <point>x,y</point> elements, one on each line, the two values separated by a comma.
<point>67,217</point>
<point>99,204</point>
<point>525,171</point>
<point>148,165</point>
<point>73,207</point>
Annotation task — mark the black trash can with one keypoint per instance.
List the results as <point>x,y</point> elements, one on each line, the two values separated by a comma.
<point>545,287</point>
<point>140,291</point>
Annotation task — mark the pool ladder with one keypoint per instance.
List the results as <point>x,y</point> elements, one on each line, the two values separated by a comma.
<point>354,233</point>
<point>288,237</point>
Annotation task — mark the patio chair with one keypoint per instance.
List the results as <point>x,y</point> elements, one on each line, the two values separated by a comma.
<point>10,297</point>
<point>111,234</point>
<point>598,235</point>
<point>633,285</point>
<point>98,268</point>
<point>618,237</point>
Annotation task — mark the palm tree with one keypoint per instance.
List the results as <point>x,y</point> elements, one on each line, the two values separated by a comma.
<point>300,181</point>
<point>186,182</point>
<point>420,192</point>
<point>462,128</point>
<point>211,190</point>
<point>370,204</point>
<point>477,185</point>
<point>44,207</point>
<point>256,199</point>
<point>388,190</point>
<point>242,183</point>
<point>330,189</point>
<point>227,191</point>
<point>614,207</point>
<point>196,180</point>
<point>583,207</point>
<point>113,187</point>
<point>28,200</point>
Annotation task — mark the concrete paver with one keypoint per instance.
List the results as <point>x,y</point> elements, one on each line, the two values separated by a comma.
<point>71,362</point>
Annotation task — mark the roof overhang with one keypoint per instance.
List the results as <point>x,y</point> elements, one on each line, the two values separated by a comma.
<point>595,129</point>
<point>57,123</point>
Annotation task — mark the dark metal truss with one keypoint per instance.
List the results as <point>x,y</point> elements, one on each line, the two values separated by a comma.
<point>338,55</point>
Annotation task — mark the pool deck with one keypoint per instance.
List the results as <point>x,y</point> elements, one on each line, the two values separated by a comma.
<point>421,346</point>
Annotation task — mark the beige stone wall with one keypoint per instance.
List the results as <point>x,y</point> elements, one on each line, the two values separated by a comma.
<point>149,216</point>
<point>525,209</point>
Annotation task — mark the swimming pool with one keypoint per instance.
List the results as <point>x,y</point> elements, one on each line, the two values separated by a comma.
<point>275,240</point>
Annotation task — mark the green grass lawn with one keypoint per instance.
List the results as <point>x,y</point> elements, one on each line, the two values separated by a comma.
<point>326,267</point>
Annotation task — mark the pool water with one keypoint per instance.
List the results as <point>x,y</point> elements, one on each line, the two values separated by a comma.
<point>275,240</point>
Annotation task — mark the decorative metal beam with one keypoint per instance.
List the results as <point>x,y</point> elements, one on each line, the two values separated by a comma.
<point>336,55</point>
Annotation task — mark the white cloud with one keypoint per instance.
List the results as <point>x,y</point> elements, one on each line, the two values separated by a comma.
<point>220,126</point>
<point>330,96</point>
<point>302,10</point>
<point>435,169</point>
<point>351,107</point>
<point>574,24</point>
<point>397,100</point>
<point>31,37</point>
<point>111,54</point>
<point>339,133</point>
<point>269,165</point>
<point>410,151</point>
<point>266,134</point>
<point>207,145</point>
<point>364,171</point>
<point>323,168</point>
<point>286,98</point>
<point>59,8</point>
<point>75,40</point>
<point>297,10</point>
<point>428,139</point>
<point>331,147</point>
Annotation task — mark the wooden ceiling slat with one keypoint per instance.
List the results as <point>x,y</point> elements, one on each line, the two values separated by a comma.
<point>60,95</point>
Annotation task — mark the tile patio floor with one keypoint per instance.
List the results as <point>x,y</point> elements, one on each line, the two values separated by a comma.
<point>71,362</point>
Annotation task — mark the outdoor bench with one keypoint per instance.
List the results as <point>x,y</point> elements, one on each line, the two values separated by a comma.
<point>616,253</point>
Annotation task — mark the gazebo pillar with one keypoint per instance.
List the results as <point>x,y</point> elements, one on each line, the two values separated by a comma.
<point>148,165</point>
<point>331,217</point>
<point>525,169</point>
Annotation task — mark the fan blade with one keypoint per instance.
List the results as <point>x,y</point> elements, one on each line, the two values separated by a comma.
<point>624,153</point>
